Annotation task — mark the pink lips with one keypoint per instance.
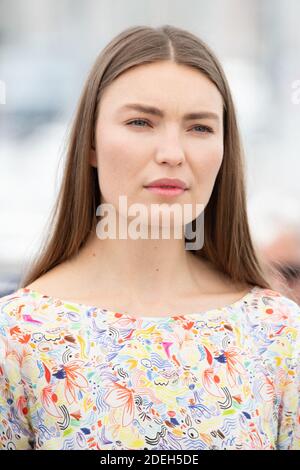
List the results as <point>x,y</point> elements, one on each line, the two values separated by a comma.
<point>167,186</point>
<point>167,182</point>
<point>166,191</point>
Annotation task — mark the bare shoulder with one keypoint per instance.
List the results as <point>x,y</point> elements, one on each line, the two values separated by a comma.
<point>55,282</point>
<point>218,283</point>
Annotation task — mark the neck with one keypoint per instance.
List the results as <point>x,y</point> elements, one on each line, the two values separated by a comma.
<point>144,267</point>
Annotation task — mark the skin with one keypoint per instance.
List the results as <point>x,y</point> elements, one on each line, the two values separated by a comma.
<point>150,275</point>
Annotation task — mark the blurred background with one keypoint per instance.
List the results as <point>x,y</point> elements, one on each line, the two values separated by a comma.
<point>46,50</point>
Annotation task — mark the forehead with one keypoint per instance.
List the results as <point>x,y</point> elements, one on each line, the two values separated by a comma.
<point>170,86</point>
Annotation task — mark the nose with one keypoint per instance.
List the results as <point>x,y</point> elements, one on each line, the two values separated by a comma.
<point>170,151</point>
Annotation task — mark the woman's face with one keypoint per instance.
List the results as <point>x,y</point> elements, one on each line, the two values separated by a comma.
<point>135,147</point>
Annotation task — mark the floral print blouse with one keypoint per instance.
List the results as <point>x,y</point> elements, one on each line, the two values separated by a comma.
<point>74,376</point>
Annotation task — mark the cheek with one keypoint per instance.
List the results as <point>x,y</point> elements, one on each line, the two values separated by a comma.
<point>205,169</point>
<point>208,161</point>
<point>117,164</point>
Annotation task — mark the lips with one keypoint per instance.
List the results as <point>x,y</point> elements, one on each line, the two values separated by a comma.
<point>165,190</point>
<point>167,183</point>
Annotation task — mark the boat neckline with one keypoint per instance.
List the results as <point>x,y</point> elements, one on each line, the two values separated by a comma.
<point>53,299</point>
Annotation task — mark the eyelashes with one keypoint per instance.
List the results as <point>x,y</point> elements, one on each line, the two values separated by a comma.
<point>207,129</point>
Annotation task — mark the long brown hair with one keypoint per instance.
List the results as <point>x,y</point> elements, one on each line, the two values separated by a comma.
<point>227,240</point>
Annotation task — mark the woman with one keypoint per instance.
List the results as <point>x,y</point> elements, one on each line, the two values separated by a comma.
<point>140,343</point>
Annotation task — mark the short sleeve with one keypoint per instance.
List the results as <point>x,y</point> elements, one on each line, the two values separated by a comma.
<point>15,429</point>
<point>289,410</point>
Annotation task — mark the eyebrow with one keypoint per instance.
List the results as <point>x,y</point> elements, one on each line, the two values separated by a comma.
<point>158,112</point>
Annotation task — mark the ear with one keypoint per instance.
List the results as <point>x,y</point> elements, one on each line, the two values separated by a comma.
<point>93,157</point>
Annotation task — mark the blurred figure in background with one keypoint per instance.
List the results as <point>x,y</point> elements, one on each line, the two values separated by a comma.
<point>275,224</point>
<point>284,253</point>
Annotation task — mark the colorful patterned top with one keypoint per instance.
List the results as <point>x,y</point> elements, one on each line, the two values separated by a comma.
<point>74,376</point>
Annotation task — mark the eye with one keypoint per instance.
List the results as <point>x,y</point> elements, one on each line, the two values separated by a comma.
<point>138,120</point>
<point>204,129</point>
